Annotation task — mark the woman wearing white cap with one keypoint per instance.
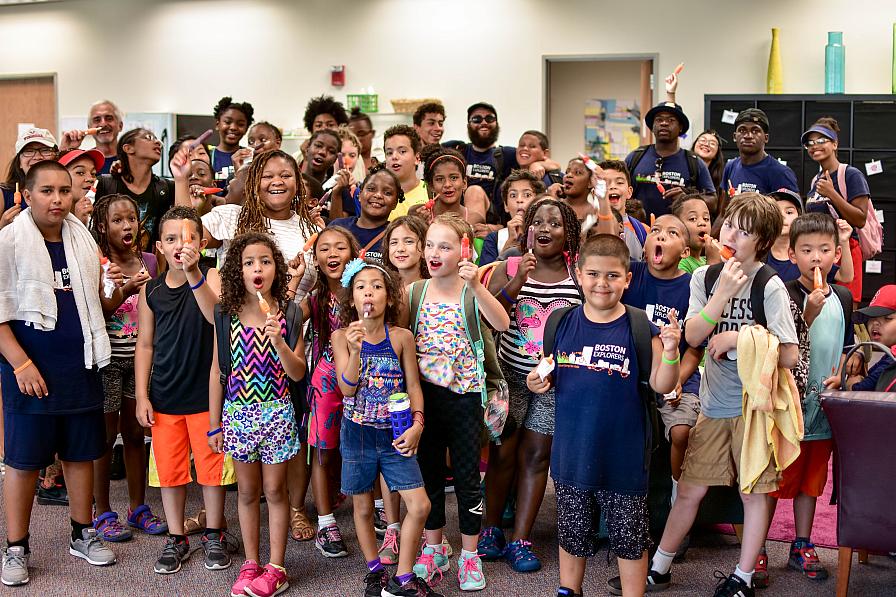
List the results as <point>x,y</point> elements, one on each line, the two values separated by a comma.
<point>32,146</point>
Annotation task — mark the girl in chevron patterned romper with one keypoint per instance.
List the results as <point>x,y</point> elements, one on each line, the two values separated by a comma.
<point>254,421</point>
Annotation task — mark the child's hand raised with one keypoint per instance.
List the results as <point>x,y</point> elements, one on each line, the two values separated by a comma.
<point>189,257</point>
<point>135,283</point>
<point>273,330</point>
<point>354,336</point>
<point>181,164</point>
<point>671,334</point>
<point>844,231</point>
<point>825,186</point>
<point>527,264</point>
<point>469,272</point>
<point>115,275</point>
<point>731,280</point>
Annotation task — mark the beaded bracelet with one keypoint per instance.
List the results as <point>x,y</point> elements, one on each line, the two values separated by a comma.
<point>214,432</point>
<point>349,383</point>
<point>199,283</point>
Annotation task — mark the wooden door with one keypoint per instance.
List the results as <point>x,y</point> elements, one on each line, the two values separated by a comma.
<point>26,99</point>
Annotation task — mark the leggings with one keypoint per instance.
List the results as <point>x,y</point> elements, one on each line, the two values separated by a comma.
<point>453,422</point>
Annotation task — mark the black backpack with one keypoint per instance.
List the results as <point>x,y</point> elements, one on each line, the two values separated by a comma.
<point>757,288</point>
<point>293,332</point>
<point>640,328</point>
<point>693,167</point>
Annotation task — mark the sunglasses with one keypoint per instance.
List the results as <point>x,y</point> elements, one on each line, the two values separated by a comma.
<point>814,142</point>
<point>488,118</point>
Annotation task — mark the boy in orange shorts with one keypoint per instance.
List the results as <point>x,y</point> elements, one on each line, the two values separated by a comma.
<point>175,344</point>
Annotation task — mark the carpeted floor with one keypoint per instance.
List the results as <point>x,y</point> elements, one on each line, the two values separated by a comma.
<point>55,573</point>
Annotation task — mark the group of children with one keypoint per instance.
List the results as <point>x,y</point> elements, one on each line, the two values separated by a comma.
<point>272,362</point>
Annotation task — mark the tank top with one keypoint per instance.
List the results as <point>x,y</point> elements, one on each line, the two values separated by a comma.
<point>380,377</point>
<point>256,373</point>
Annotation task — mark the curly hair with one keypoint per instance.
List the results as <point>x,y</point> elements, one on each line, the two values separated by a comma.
<point>357,115</point>
<point>251,217</point>
<point>227,103</point>
<point>439,156</point>
<point>324,104</point>
<point>427,108</point>
<point>571,226</point>
<point>101,217</point>
<point>525,175</point>
<point>349,312</point>
<point>278,134</point>
<point>418,227</point>
<point>234,293</point>
<point>319,306</point>
<point>404,131</point>
<point>382,169</point>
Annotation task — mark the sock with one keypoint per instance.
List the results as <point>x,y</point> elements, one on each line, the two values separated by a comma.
<point>379,505</point>
<point>396,526</point>
<point>436,548</point>
<point>403,578</point>
<point>747,577</point>
<point>23,542</point>
<point>464,554</point>
<point>799,541</point>
<point>78,528</point>
<point>210,532</point>
<point>325,521</point>
<point>179,538</point>
<point>662,561</point>
<point>674,491</point>
<point>374,565</point>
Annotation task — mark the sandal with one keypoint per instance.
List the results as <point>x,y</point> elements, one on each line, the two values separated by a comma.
<point>143,519</point>
<point>196,524</point>
<point>109,528</point>
<point>299,526</point>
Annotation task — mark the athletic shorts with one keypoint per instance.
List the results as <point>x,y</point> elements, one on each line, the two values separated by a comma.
<point>808,474</point>
<point>684,414</point>
<point>532,411</point>
<point>174,437</point>
<point>264,431</point>
<point>32,441</point>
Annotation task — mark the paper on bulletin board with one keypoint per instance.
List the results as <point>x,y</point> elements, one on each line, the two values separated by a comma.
<point>612,128</point>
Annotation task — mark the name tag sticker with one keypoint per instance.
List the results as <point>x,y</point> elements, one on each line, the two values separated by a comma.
<point>872,267</point>
<point>879,213</point>
<point>729,116</point>
<point>873,167</point>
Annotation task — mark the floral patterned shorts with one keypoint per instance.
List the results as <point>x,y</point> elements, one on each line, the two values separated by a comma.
<point>264,431</point>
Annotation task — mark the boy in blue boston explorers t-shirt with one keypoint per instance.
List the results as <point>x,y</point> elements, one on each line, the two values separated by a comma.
<point>598,461</point>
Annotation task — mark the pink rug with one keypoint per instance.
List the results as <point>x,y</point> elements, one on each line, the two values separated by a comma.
<point>824,530</point>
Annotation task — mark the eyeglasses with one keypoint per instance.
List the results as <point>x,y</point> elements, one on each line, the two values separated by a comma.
<point>711,141</point>
<point>488,118</point>
<point>45,152</point>
<point>814,142</point>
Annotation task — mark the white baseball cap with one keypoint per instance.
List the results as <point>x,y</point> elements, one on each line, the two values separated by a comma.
<point>42,136</point>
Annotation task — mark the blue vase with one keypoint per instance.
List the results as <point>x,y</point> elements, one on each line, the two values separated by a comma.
<point>834,63</point>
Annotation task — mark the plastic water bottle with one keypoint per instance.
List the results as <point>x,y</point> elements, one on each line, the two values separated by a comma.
<point>400,414</point>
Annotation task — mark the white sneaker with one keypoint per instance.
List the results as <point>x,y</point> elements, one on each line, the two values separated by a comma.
<point>91,548</point>
<point>15,566</point>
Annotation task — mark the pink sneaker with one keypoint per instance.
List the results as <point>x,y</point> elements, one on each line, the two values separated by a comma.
<point>272,582</point>
<point>249,571</point>
<point>389,549</point>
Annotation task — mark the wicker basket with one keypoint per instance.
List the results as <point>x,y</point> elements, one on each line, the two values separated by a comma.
<point>409,106</point>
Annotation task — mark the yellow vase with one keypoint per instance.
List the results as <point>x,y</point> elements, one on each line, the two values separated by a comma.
<point>775,81</point>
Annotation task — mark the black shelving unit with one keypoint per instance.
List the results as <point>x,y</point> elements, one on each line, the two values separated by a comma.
<point>867,132</point>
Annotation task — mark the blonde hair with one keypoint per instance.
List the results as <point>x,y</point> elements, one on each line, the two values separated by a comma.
<point>457,224</point>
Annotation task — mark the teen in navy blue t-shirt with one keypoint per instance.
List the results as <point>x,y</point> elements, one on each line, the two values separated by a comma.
<point>766,176</point>
<point>669,171</point>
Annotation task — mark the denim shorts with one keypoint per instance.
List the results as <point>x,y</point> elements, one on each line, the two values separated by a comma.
<point>365,452</point>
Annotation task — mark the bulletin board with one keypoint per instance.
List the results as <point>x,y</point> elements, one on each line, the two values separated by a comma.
<point>612,128</point>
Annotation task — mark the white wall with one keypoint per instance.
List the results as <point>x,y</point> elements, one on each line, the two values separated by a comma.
<point>176,55</point>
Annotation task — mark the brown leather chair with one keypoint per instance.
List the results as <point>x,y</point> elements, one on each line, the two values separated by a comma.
<point>864,454</point>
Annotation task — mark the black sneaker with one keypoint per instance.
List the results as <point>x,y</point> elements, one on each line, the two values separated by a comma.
<point>655,582</point>
<point>564,592</point>
<point>173,555</point>
<point>732,586</point>
<point>379,521</point>
<point>329,542</point>
<point>416,587</point>
<point>116,463</point>
<point>54,496</point>
<point>375,582</point>
<point>215,547</point>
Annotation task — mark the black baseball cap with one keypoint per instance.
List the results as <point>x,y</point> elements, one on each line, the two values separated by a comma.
<point>754,115</point>
<point>671,108</point>
<point>788,195</point>
<point>483,105</point>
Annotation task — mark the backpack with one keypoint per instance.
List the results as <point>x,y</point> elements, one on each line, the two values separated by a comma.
<point>871,235</point>
<point>495,213</point>
<point>495,393</point>
<point>757,288</point>
<point>640,328</point>
<point>293,332</point>
<point>693,168</point>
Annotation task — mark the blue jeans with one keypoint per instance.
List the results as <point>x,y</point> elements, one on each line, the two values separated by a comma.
<point>367,451</point>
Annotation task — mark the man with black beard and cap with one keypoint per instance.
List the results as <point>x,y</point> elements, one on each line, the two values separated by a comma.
<point>753,170</point>
<point>661,171</point>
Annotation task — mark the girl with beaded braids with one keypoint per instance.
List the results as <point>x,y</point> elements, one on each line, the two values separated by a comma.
<point>529,287</point>
<point>232,120</point>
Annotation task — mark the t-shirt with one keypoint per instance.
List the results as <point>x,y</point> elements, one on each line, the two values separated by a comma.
<point>416,196</point>
<point>690,264</point>
<point>151,203</point>
<point>364,236</point>
<point>766,176</point>
<point>721,392</point>
<point>657,297</point>
<point>220,160</point>
<point>57,354</point>
<point>674,172</point>
<point>826,339</point>
<point>290,234</point>
<point>600,420</point>
<point>856,186</point>
<point>8,197</point>
<point>788,270</point>
<point>868,384</point>
<point>481,165</point>
<point>107,165</point>
<point>182,349</point>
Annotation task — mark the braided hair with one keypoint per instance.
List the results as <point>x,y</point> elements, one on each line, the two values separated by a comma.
<point>252,218</point>
<point>571,226</point>
<point>319,304</point>
<point>233,287</point>
<point>99,222</point>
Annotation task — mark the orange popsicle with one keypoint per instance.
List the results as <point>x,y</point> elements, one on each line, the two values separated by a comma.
<point>661,188</point>
<point>465,252</point>
<point>211,191</point>
<point>724,251</point>
<point>310,242</point>
<point>679,68</point>
<point>263,304</point>
<point>93,131</point>
<point>186,232</point>
<point>817,282</point>
<point>17,196</point>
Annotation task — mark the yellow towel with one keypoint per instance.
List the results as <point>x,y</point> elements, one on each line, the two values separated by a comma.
<point>773,418</point>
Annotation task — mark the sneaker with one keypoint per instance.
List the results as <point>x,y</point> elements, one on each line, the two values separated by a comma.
<point>804,559</point>
<point>469,573</point>
<point>379,521</point>
<point>329,542</point>
<point>173,555</point>
<point>430,561</point>
<point>491,544</point>
<point>144,520</point>
<point>91,548</point>
<point>108,528</point>
<point>215,547</point>
<point>389,549</point>
<point>375,582</point>
<point>416,587</point>
<point>249,571</point>
<point>15,566</point>
<point>655,582</point>
<point>520,557</point>
<point>272,582</point>
<point>760,571</point>
<point>54,496</point>
<point>732,586</point>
